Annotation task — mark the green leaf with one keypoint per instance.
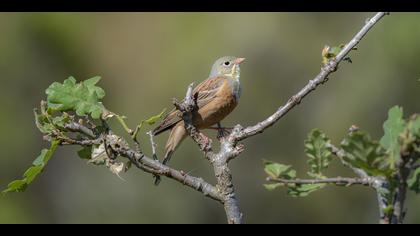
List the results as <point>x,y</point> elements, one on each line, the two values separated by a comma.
<point>318,151</point>
<point>393,127</point>
<point>85,152</point>
<point>414,125</point>
<point>50,151</point>
<point>276,170</point>
<point>334,51</point>
<point>329,53</point>
<point>414,181</point>
<point>271,187</point>
<point>363,153</point>
<point>84,97</point>
<point>388,210</point>
<point>42,123</point>
<point>39,161</point>
<point>303,190</point>
<point>61,121</point>
<point>152,120</point>
<point>280,171</point>
<point>16,186</point>
<point>30,174</point>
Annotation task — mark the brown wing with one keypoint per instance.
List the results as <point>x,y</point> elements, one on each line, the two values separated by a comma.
<point>206,91</point>
<point>172,118</point>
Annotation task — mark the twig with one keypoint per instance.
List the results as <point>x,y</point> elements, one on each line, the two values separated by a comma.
<point>153,144</point>
<point>155,167</point>
<point>378,183</point>
<point>148,164</point>
<point>326,70</point>
<point>69,141</point>
<point>76,127</point>
<point>120,119</point>
<point>133,134</point>
<point>340,154</point>
<point>337,181</point>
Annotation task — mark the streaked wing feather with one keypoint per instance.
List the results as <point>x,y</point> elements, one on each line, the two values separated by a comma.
<point>206,91</point>
<point>173,117</point>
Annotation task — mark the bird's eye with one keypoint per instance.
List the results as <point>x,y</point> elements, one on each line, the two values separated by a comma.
<point>226,63</point>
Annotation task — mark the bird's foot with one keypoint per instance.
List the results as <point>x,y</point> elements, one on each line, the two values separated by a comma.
<point>222,132</point>
<point>157,179</point>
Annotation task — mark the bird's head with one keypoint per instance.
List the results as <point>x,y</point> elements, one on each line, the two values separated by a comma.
<point>227,66</point>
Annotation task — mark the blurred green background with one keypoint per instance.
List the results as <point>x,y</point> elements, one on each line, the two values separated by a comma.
<point>146,59</point>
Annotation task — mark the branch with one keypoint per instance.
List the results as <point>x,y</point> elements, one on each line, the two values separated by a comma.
<point>404,168</point>
<point>76,127</point>
<point>326,70</point>
<point>341,154</point>
<point>155,167</point>
<point>188,106</point>
<point>118,146</point>
<point>337,181</point>
<point>153,144</point>
<point>378,183</point>
<point>229,148</point>
<point>219,160</point>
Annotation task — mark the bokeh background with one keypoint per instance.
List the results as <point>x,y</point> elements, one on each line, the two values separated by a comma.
<point>146,59</point>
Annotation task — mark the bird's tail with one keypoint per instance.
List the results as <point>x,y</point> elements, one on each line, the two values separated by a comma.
<point>177,135</point>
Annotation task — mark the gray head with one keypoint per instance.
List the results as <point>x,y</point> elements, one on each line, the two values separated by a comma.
<point>227,66</point>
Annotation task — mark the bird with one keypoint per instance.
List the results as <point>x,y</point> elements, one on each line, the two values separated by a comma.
<point>216,97</point>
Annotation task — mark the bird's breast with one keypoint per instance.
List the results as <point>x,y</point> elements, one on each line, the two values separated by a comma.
<point>235,85</point>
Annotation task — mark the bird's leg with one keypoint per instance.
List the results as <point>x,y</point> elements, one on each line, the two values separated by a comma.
<point>222,131</point>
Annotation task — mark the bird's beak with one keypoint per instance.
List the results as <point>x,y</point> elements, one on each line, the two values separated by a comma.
<point>239,60</point>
